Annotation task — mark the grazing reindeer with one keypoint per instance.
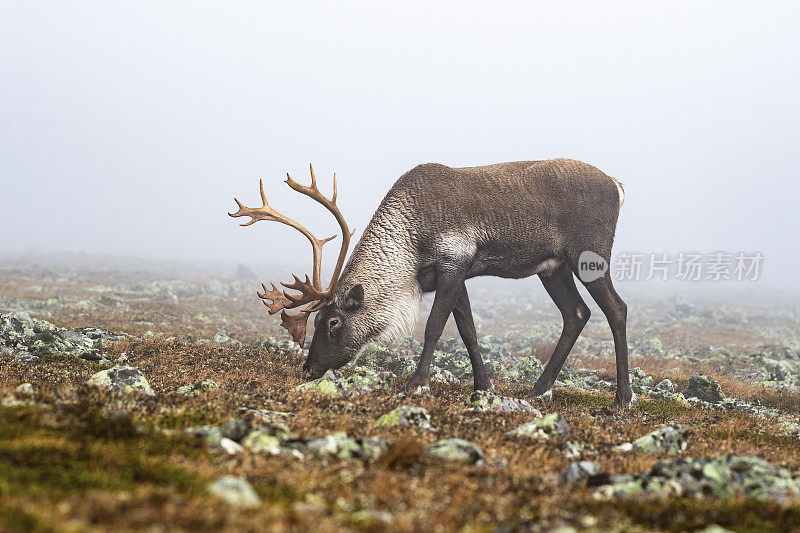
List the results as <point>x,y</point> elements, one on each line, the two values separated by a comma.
<point>439,226</point>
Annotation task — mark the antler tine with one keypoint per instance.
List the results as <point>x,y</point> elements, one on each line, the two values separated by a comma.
<point>311,290</point>
<point>266,212</point>
<point>314,193</point>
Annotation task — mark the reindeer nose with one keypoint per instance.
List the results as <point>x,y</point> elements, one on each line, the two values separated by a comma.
<point>308,374</point>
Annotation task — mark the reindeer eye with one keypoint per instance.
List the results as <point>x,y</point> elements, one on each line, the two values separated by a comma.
<point>334,324</point>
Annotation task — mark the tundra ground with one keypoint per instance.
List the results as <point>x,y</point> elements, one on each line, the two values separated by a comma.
<point>78,457</point>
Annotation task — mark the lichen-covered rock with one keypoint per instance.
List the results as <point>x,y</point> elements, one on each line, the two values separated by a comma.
<point>481,400</point>
<point>791,429</point>
<point>380,358</point>
<point>579,471</point>
<point>211,435</point>
<point>668,439</point>
<point>456,362</point>
<point>330,384</point>
<point>368,380</point>
<point>270,438</point>
<point>665,385</point>
<point>200,387</point>
<point>551,425</point>
<point>705,388</point>
<point>440,375</point>
<point>25,337</point>
<point>719,476</point>
<point>234,429</point>
<point>405,416</point>
<point>527,370</point>
<point>122,378</point>
<point>234,491</point>
<point>339,445</point>
<point>260,441</point>
<point>457,450</point>
<point>230,447</point>
<point>640,381</point>
<point>262,416</point>
<point>225,337</point>
<point>25,390</point>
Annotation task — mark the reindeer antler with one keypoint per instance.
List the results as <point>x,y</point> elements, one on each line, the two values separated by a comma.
<point>310,290</point>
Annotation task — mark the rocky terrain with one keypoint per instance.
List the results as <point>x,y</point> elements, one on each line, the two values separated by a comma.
<point>140,396</point>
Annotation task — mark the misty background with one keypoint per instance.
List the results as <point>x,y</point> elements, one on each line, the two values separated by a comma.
<point>126,129</point>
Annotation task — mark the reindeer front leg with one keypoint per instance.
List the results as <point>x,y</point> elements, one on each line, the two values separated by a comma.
<point>449,284</point>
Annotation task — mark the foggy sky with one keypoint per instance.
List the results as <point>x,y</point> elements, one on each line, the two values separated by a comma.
<point>126,128</point>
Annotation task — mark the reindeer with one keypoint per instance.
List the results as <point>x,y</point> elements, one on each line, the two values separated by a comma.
<point>439,226</point>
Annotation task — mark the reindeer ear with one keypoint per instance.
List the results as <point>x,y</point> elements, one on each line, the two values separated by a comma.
<point>354,297</point>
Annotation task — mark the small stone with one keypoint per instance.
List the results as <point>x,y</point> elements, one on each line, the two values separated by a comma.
<point>551,425</point>
<point>235,430</point>
<point>198,388</point>
<point>24,391</point>
<point>210,434</point>
<point>330,384</point>
<point>665,385</point>
<point>440,375</point>
<point>234,491</point>
<point>458,450</point>
<point>260,441</point>
<point>405,416</point>
<point>367,380</point>
<point>122,378</point>
<point>705,388</point>
<point>230,447</point>
<point>481,400</point>
<point>668,439</point>
<point>579,471</point>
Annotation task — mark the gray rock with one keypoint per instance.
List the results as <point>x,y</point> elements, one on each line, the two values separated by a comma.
<point>210,435</point>
<point>262,441</point>
<point>457,450</point>
<point>330,384</point>
<point>551,425</point>
<point>26,338</point>
<point>234,491</point>
<point>122,378</point>
<point>339,445</point>
<point>665,385</point>
<point>405,416</point>
<point>488,401</point>
<point>368,380</point>
<point>440,375</point>
<point>24,390</point>
<point>230,447</point>
<point>235,430</point>
<point>721,477</point>
<point>527,370</point>
<point>579,471</point>
<point>224,337</point>
<point>704,388</point>
<point>668,439</point>
<point>380,358</point>
<point>201,387</point>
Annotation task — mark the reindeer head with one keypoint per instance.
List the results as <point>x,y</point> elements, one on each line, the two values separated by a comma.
<point>335,341</point>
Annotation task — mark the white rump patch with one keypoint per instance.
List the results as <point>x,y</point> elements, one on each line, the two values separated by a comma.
<point>620,190</point>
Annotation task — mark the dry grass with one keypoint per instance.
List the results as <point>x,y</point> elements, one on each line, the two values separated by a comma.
<point>516,488</point>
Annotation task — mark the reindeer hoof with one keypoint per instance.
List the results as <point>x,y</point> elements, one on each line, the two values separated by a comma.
<point>546,396</point>
<point>417,384</point>
<point>623,405</point>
